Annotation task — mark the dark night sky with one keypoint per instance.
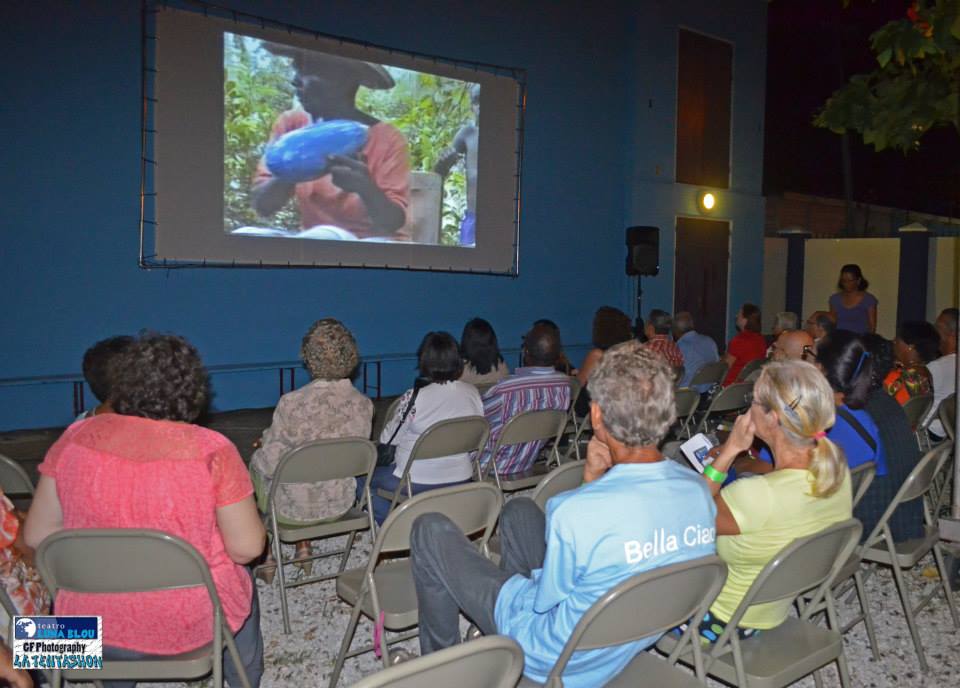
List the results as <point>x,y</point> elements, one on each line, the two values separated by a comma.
<point>813,46</point>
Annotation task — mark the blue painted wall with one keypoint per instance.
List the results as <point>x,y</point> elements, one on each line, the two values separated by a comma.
<point>70,123</point>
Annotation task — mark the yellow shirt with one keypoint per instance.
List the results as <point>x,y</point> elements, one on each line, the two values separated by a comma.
<point>772,510</point>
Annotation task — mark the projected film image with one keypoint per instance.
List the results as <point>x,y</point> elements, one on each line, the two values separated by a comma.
<point>321,146</point>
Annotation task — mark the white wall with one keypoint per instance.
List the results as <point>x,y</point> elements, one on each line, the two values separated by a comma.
<point>878,258</point>
<point>774,280</point>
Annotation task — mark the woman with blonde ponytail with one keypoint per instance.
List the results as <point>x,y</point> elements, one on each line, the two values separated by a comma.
<point>807,489</point>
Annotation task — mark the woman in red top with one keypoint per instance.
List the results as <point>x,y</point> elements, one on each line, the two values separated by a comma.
<point>748,344</point>
<point>148,466</point>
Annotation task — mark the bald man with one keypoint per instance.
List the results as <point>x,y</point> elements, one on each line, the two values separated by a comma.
<point>792,345</point>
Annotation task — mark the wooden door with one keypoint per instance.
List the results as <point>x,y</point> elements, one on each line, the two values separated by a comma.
<point>700,274</point>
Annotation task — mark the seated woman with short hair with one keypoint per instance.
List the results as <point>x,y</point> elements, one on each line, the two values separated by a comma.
<point>807,490</point>
<point>437,395</point>
<point>482,362</point>
<point>148,466</point>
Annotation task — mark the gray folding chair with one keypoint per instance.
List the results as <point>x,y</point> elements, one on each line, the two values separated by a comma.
<point>526,427</point>
<point>13,479</point>
<point>797,647</point>
<point>860,479</point>
<point>710,374</point>
<point>383,590</point>
<point>730,399</point>
<point>880,547</point>
<point>490,662</point>
<point>647,604</point>
<point>749,369</point>
<point>569,476</point>
<point>686,402</point>
<point>133,560</point>
<point>573,423</point>
<point>316,462</point>
<point>917,409</point>
<point>575,450</point>
<point>947,413</point>
<point>465,435</point>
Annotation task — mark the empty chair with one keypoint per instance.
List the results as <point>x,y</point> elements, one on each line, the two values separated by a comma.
<point>643,607</point>
<point>687,401</point>
<point>452,436</point>
<point>316,462</point>
<point>491,662</point>
<point>797,647</point>
<point>383,590</point>
<point>569,476</point>
<point>710,374</point>
<point>880,547</point>
<point>730,399</point>
<point>132,560</point>
<point>526,427</point>
<point>13,479</point>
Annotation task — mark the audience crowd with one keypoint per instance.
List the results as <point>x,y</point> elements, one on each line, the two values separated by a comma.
<point>827,398</point>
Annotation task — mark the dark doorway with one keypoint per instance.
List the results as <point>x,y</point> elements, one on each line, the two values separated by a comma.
<point>700,274</point>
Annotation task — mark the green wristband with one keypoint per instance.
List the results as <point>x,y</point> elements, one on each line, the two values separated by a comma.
<point>713,474</point>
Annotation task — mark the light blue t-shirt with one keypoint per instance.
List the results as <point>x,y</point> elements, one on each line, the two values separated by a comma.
<point>635,518</point>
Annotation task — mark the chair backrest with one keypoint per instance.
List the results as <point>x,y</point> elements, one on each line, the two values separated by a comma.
<point>13,479</point>
<point>750,368</point>
<point>473,507</point>
<point>493,661</point>
<point>321,460</point>
<point>451,436</point>
<point>120,560</point>
<point>575,389</point>
<point>686,400</point>
<point>645,604</point>
<point>948,415</point>
<point>731,398</point>
<point>803,564</point>
<point>860,478</point>
<point>916,409</point>
<point>532,426</point>
<point>569,476</point>
<point>392,409</point>
<point>710,374</point>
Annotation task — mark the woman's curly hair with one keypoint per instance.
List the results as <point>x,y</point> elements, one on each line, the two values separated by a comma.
<point>161,377</point>
<point>329,351</point>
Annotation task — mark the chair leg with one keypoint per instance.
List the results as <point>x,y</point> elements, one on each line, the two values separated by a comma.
<point>282,582</point>
<point>945,582</point>
<point>345,646</point>
<point>867,616</point>
<point>909,615</point>
<point>817,679</point>
<point>346,551</point>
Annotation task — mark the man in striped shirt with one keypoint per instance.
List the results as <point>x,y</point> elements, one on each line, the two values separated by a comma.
<point>535,386</point>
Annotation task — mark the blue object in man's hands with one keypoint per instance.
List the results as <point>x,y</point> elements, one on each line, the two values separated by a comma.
<point>301,155</point>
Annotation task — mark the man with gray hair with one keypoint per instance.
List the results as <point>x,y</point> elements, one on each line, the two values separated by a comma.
<point>659,340</point>
<point>784,321</point>
<point>698,349</point>
<point>635,512</point>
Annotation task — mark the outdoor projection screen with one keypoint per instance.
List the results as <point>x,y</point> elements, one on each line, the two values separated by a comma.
<point>277,148</point>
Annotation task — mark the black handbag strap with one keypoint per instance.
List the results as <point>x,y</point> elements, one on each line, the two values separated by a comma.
<point>403,416</point>
<point>856,425</point>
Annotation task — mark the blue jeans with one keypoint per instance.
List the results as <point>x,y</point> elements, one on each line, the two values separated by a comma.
<point>384,479</point>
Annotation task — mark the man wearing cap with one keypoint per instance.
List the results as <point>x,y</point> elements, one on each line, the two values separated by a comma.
<point>367,195</point>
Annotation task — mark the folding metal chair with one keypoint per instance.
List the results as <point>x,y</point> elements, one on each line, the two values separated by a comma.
<point>730,399</point>
<point>686,402</point>
<point>384,590</point>
<point>569,476</point>
<point>947,414</point>
<point>465,435</point>
<point>880,547</point>
<point>316,462</point>
<point>797,647</point>
<point>490,662</point>
<point>647,604</point>
<point>13,479</point>
<point>749,369</point>
<point>526,427</point>
<point>917,409</point>
<point>575,449</point>
<point>860,479</point>
<point>710,374</point>
<point>135,560</point>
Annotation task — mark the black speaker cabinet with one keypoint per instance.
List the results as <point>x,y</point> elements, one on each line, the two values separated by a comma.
<point>643,250</point>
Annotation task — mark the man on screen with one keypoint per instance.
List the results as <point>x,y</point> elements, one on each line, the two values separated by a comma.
<point>367,194</point>
<point>465,146</point>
